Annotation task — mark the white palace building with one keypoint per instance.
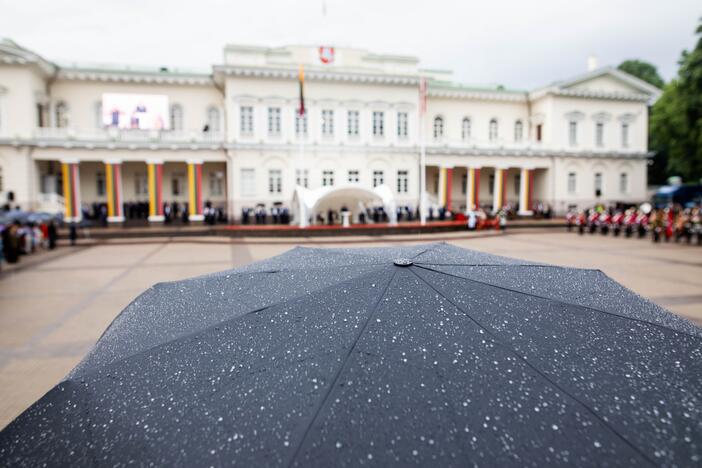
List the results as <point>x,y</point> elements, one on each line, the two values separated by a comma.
<point>72,136</point>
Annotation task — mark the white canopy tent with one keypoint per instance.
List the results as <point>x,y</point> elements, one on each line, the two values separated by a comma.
<point>308,203</point>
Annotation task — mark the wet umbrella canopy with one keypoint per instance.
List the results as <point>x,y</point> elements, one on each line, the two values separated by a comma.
<point>429,355</point>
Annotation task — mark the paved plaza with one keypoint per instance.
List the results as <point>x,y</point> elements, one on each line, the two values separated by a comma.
<point>52,311</point>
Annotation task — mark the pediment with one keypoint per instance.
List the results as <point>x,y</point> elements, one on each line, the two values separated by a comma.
<point>608,81</point>
<point>603,84</point>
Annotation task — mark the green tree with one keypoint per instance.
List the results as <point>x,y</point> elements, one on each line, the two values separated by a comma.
<point>643,70</point>
<point>676,119</point>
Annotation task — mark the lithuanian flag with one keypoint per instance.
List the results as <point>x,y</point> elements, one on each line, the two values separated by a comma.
<point>301,79</point>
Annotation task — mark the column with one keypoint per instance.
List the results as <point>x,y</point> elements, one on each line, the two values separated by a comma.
<point>154,172</point>
<point>499,189</point>
<point>195,207</point>
<point>473,188</point>
<point>441,189</point>
<point>71,191</point>
<point>526,191</point>
<point>449,187</point>
<point>113,185</point>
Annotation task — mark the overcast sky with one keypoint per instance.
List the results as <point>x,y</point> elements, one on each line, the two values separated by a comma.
<point>521,44</point>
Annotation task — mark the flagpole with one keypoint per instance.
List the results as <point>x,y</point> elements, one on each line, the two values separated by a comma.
<point>304,216</point>
<point>301,163</point>
<point>422,155</point>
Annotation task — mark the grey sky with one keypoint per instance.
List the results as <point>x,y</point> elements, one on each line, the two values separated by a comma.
<point>522,44</point>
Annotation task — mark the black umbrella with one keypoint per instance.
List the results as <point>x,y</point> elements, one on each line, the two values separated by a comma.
<point>430,355</point>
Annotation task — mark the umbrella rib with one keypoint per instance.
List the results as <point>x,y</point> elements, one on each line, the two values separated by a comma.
<point>540,373</point>
<point>340,370</point>
<point>501,265</point>
<point>551,299</point>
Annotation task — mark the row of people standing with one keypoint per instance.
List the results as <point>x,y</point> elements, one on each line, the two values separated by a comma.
<point>260,215</point>
<point>668,223</point>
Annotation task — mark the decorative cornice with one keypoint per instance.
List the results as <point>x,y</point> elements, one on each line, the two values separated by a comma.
<point>611,96</point>
<point>602,117</point>
<point>317,75</point>
<point>126,76</point>
<point>112,145</point>
<point>575,116</point>
<point>627,118</point>
<point>293,147</point>
<point>478,95</point>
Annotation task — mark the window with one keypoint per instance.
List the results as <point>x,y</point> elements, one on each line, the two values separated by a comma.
<point>177,184</point>
<point>402,182</point>
<point>216,183</point>
<point>623,182</point>
<point>40,116</point>
<point>492,130</point>
<point>248,182</point>
<point>517,183</point>
<point>352,127</point>
<point>300,124</point>
<point>464,184</point>
<point>571,182</point>
<point>100,184</point>
<point>302,177</point>
<point>98,115</point>
<point>213,121</point>
<point>275,181</point>
<point>61,115</point>
<point>327,122</point>
<point>378,128</point>
<point>176,117</point>
<point>353,177</point>
<point>598,184</point>
<point>438,128</point>
<point>625,135</point>
<point>246,120</point>
<point>599,134</point>
<point>573,133</point>
<point>141,184</point>
<point>518,131</point>
<point>491,184</point>
<point>378,178</point>
<point>465,129</point>
<point>539,131</point>
<point>274,121</point>
<point>402,125</point>
<point>327,178</point>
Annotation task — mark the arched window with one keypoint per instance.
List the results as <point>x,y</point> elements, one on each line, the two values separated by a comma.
<point>493,130</point>
<point>518,131</point>
<point>213,123</point>
<point>62,115</point>
<point>176,117</point>
<point>438,127</point>
<point>465,129</point>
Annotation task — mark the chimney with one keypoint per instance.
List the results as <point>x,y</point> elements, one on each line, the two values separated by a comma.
<point>591,63</point>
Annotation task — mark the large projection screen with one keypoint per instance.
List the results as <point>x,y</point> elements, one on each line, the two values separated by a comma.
<point>135,111</point>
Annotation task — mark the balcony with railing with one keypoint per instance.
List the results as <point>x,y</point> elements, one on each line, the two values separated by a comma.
<point>98,135</point>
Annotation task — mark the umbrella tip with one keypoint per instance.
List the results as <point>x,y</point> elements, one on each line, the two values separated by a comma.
<point>403,262</point>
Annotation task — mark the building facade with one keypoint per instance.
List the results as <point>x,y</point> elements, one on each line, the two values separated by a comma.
<point>233,137</point>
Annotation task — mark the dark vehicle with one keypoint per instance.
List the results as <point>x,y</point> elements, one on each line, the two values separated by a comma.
<point>683,195</point>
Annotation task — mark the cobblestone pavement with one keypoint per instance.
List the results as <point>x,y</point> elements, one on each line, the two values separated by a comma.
<point>52,311</point>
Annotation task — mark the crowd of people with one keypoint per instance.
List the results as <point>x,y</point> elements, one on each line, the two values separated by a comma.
<point>672,222</point>
<point>277,214</point>
<point>172,212</point>
<point>24,235</point>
